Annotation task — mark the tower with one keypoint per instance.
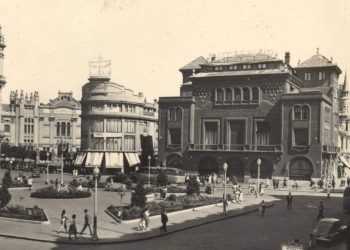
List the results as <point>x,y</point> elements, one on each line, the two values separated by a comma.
<point>2,78</point>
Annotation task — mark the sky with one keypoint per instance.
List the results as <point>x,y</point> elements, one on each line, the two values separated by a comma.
<point>50,42</point>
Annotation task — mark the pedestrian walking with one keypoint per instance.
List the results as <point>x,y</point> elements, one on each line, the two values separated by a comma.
<point>30,183</point>
<point>284,182</point>
<point>262,208</point>
<point>64,220</point>
<point>87,222</point>
<point>147,218</point>
<point>73,228</point>
<point>56,183</point>
<point>320,211</point>
<point>333,183</point>
<point>142,220</point>
<point>348,181</point>
<point>312,243</point>
<point>164,220</point>
<point>289,199</point>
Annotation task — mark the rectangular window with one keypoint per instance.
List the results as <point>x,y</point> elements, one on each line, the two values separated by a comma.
<point>301,137</point>
<point>114,125</point>
<point>249,66</point>
<point>211,133</point>
<point>114,143</point>
<point>129,126</point>
<point>321,75</point>
<point>97,143</point>
<point>307,76</point>
<point>129,142</point>
<point>244,66</point>
<point>7,128</point>
<point>174,137</point>
<point>263,133</point>
<point>97,125</point>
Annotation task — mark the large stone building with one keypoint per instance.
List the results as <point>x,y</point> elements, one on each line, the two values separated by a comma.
<point>117,124</point>
<point>243,107</point>
<point>2,77</point>
<point>35,125</point>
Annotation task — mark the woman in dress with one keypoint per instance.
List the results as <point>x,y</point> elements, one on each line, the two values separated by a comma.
<point>64,219</point>
<point>73,228</point>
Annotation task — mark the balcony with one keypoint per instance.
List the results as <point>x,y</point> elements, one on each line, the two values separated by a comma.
<point>330,149</point>
<point>236,147</point>
<point>147,113</point>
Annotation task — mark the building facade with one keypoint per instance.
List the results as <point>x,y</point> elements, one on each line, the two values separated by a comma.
<point>241,108</point>
<point>35,125</point>
<point>116,123</point>
<point>2,77</point>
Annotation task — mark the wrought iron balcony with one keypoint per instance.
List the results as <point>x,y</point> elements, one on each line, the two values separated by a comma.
<point>235,147</point>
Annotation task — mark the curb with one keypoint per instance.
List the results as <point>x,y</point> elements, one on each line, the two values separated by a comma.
<point>136,239</point>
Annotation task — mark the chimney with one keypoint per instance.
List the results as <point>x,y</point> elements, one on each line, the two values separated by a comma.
<point>287,58</point>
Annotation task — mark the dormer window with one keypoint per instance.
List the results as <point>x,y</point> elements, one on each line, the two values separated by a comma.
<point>307,76</point>
<point>262,66</point>
<point>247,66</point>
<point>321,76</point>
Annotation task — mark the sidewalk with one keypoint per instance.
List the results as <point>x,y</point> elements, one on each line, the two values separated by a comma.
<point>110,231</point>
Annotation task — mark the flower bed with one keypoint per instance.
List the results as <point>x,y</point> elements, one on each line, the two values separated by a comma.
<point>22,213</point>
<point>17,184</point>
<point>172,189</point>
<point>87,184</point>
<point>171,204</point>
<point>65,193</point>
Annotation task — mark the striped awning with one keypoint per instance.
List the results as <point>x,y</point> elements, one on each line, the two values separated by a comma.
<point>114,160</point>
<point>345,161</point>
<point>133,158</point>
<point>93,159</point>
<point>80,158</point>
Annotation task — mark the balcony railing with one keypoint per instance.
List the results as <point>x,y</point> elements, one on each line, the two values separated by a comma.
<point>330,149</point>
<point>236,147</point>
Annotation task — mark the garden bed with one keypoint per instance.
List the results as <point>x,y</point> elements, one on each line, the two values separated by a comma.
<point>65,193</point>
<point>171,204</point>
<point>18,212</point>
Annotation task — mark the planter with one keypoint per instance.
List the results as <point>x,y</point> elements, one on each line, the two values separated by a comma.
<point>52,193</point>
<point>20,213</point>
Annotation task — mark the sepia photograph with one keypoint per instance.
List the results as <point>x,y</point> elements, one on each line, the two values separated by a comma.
<point>174,125</point>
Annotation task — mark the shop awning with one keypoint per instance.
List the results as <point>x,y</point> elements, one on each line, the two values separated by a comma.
<point>114,160</point>
<point>80,158</point>
<point>345,161</point>
<point>93,159</point>
<point>133,158</point>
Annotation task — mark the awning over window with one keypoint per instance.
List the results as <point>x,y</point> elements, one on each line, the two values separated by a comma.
<point>93,159</point>
<point>345,161</point>
<point>80,158</point>
<point>133,158</point>
<point>114,160</point>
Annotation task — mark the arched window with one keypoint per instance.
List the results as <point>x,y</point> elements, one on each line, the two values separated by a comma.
<point>58,129</point>
<point>63,129</point>
<point>255,94</point>
<point>297,112</point>
<point>172,115</point>
<point>305,110</point>
<point>219,95</point>
<point>68,128</point>
<point>246,94</point>
<point>228,95</point>
<point>238,94</point>
<point>178,114</point>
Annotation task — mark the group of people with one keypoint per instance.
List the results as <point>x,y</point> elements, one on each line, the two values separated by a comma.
<point>237,194</point>
<point>22,179</point>
<point>72,229</point>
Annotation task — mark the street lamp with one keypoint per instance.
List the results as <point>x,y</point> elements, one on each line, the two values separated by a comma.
<point>259,162</point>
<point>149,170</point>
<point>63,145</point>
<point>96,172</point>
<point>225,170</point>
<point>47,167</point>
<point>121,193</point>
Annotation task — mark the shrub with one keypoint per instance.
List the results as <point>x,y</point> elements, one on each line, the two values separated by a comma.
<point>172,197</point>
<point>138,198</point>
<point>52,193</point>
<point>7,179</point>
<point>5,196</point>
<point>120,177</point>
<point>192,186</point>
<point>162,178</point>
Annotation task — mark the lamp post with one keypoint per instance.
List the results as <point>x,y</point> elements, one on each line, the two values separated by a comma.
<point>96,172</point>
<point>63,145</point>
<point>149,170</point>
<point>121,193</point>
<point>259,162</point>
<point>225,170</point>
<point>47,167</point>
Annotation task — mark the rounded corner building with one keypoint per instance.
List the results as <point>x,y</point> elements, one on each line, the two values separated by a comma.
<point>119,128</point>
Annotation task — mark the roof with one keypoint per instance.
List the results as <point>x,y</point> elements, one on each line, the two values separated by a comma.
<point>244,58</point>
<point>241,73</point>
<point>316,61</point>
<point>323,90</point>
<point>195,64</point>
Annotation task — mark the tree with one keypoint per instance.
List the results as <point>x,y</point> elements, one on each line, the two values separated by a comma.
<point>7,179</point>
<point>192,186</point>
<point>138,198</point>
<point>162,178</point>
<point>5,196</point>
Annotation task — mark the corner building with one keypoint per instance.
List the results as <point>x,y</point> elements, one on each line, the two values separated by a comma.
<point>115,124</point>
<point>240,108</point>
